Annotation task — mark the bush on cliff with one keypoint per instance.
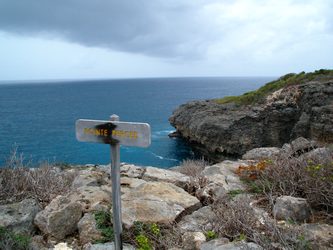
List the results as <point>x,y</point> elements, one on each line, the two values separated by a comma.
<point>287,80</point>
<point>45,182</point>
<point>306,176</point>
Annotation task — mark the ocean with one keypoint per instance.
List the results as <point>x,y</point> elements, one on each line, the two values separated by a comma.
<point>38,118</point>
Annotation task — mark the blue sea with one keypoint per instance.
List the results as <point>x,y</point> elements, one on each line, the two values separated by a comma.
<point>38,118</point>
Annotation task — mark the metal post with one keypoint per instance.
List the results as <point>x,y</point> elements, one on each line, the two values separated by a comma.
<point>116,200</point>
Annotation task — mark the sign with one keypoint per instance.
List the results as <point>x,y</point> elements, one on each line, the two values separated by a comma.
<point>113,132</point>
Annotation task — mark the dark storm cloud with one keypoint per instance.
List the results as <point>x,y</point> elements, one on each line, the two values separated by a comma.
<point>160,28</point>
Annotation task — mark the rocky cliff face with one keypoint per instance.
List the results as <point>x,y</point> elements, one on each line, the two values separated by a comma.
<point>219,130</point>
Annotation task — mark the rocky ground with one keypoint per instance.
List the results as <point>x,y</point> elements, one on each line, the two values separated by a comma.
<point>190,203</point>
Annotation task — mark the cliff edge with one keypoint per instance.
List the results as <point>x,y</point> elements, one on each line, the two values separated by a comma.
<point>295,105</point>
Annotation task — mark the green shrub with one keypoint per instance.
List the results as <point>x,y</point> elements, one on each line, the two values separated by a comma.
<point>287,80</point>
<point>104,225</point>
<point>12,241</point>
<point>210,235</point>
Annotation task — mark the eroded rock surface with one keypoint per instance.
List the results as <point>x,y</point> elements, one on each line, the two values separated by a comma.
<point>219,130</point>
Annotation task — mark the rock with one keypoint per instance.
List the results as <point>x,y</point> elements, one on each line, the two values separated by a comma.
<point>318,153</point>
<point>59,218</point>
<point>92,198</point>
<point>199,221</point>
<point>319,235</point>
<point>193,240</point>
<point>62,246</point>
<point>229,130</point>
<point>261,153</point>
<point>301,145</point>
<point>19,216</point>
<point>219,244</point>
<point>211,192</point>
<point>214,244</point>
<point>106,246</point>
<point>89,178</point>
<point>88,231</point>
<point>174,134</point>
<point>131,171</point>
<point>158,174</point>
<point>37,243</point>
<point>288,207</point>
<point>158,202</point>
<point>224,174</point>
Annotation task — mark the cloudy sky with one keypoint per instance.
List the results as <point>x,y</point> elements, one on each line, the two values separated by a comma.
<point>78,39</point>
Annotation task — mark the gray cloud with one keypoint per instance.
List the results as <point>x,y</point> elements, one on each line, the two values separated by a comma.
<point>142,26</point>
<point>170,28</point>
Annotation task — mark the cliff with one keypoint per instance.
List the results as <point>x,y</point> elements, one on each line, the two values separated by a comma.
<point>294,105</point>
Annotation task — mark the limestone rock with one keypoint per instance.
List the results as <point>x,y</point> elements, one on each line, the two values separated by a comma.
<point>92,198</point>
<point>131,171</point>
<point>19,216</point>
<point>199,221</point>
<point>156,202</point>
<point>59,218</point>
<point>261,153</point>
<point>319,235</point>
<point>214,244</point>
<point>158,174</point>
<point>106,246</point>
<point>193,240</point>
<point>224,174</point>
<point>89,178</point>
<point>88,231</point>
<point>220,130</point>
<point>288,207</point>
<point>238,245</point>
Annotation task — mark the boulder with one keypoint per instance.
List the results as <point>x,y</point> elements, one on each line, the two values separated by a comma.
<point>294,208</point>
<point>319,235</point>
<point>106,246</point>
<point>88,231</point>
<point>59,218</point>
<point>199,221</point>
<point>219,244</point>
<point>90,178</point>
<point>193,240</point>
<point>159,174</point>
<point>224,174</point>
<point>92,198</point>
<point>159,202</point>
<point>19,216</point>
<point>131,171</point>
<point>261,153</point>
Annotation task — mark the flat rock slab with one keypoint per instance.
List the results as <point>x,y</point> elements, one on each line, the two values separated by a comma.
<point>19,216</point>
<point>198,221</point>
<point>158,202</point>
<point>158,174</point>
<point>224,174</point>
<point>219,244</point>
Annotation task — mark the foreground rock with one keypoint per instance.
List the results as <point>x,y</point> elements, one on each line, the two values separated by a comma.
<point>59,218</point>
<point>19,216</point>
<point>291,208</point>
<point>219,130</point>
<point>156,202</point>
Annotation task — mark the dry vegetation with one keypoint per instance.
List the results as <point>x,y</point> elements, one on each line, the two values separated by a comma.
<point>309,176</point>
<point>43,183</point>
<point>237,220</point>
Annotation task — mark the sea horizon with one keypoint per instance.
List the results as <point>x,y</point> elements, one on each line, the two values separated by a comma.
<point>40,118</point>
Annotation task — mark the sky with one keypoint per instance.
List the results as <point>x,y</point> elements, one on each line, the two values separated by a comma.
<point>85,39</point>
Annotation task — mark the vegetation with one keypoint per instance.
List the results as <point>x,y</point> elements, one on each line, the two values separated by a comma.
<point>306,176</point>
<point>12,241</point>
<point>42,183</point>
<point>104,225</point>
<point>258,95</point>
<point>148,236</point>
<point>237,220</point>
